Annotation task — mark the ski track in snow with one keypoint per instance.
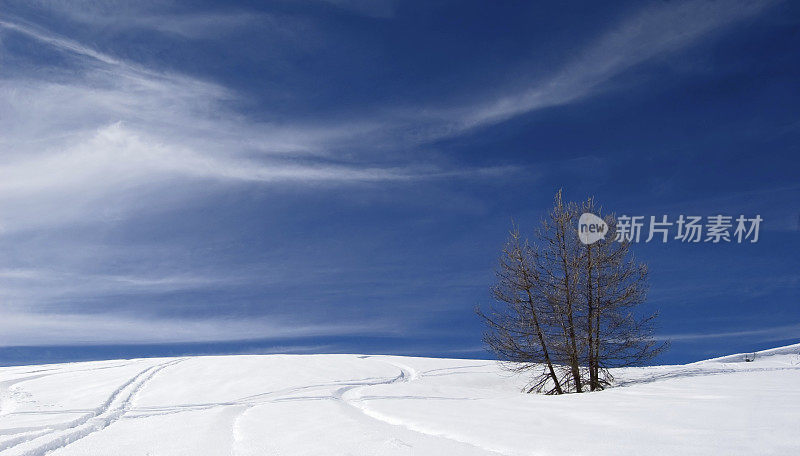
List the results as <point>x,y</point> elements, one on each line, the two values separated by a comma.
<point>348,395</point>
<point>351,396</point>
<point>63,434</point>
<point>236,430</point>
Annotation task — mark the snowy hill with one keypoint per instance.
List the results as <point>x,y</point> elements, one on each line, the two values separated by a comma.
<point>389,405</point>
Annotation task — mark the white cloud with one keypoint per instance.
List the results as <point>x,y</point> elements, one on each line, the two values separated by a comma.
<point>59,42</point>
<point>75,141</point>
<point>657,30</point>
<point>24,329</point>
<point>24,288</point>
<point>103,168</point>
<point>765,334</point>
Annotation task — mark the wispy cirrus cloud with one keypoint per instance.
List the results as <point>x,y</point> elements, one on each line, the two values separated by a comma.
<point>31,329</point>
<point>117,125</point>
<point>184,117</point>
<point>24,287</point>
<point>766,334</point>
<point>657,30</point>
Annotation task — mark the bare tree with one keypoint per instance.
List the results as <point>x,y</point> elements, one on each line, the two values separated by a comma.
<point>557,255</point>
<point>613,285</point>
<point>568,309</point>
<point>517,332</point>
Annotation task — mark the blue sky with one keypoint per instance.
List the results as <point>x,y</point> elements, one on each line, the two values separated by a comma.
<point>339,175</point>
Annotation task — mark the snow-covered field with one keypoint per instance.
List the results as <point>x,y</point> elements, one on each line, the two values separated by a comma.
<point>390,405</point>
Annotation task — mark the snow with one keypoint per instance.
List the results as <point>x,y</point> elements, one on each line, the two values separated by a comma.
<point>391,405</point>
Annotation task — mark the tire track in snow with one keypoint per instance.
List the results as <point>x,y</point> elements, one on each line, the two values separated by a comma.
<point>110,411</point>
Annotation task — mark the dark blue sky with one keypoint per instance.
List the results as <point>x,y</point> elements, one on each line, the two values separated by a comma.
<point>339,175</point>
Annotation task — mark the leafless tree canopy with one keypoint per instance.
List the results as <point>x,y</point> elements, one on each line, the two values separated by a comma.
<point>566,311</point>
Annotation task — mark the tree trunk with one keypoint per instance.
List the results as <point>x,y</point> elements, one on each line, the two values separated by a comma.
<point>568,272</point>
<point>544,346</point>
<point>590,319</point>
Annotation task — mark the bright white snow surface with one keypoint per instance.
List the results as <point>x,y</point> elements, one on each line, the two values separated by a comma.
<point>391,405</point>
